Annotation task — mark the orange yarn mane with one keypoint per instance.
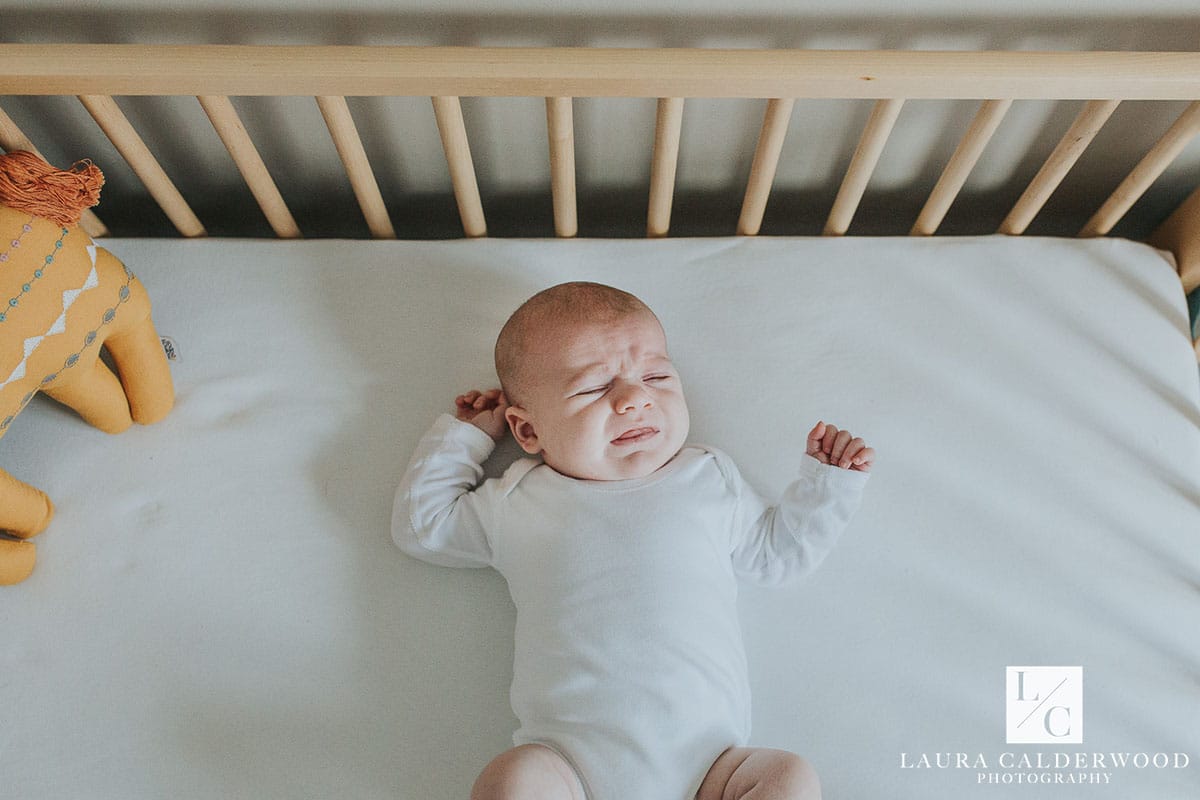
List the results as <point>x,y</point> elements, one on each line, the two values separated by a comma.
<point>27,183</point>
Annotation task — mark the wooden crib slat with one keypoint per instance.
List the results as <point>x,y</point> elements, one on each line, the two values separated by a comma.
<point>13,138</point>
<point>667,127</point>
<point>237,141</point>
<point>1077,138</point>
<point>1180,235</point>
<point>448,112</point>
<point>766,161</point>
<point>358,168</point>
<point>987,119</point>
<point>129,144</point>
<point>866,156</point>
<point>561,130</point>
<point>1148,169</point>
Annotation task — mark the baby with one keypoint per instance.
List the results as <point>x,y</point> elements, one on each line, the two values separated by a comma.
<point>621,548</point>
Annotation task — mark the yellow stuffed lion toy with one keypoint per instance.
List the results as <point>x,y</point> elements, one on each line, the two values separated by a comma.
<point>61,299</point>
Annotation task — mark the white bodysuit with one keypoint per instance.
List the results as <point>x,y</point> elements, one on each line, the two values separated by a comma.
<point>629,659</point>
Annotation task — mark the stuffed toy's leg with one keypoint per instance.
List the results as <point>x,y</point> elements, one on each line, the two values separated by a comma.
<point>144,392</point>
<point>16,561</point>
<point>137,351</point>
<point>24,512</point>
<point>96,394</point>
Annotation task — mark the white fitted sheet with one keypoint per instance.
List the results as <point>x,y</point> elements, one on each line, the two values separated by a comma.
<point>218,609</point>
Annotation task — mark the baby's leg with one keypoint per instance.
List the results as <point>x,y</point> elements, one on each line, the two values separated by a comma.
<point>528,772</point>
<point>756,773</point>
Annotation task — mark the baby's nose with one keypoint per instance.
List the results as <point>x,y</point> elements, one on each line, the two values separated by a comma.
<point>632,397</point>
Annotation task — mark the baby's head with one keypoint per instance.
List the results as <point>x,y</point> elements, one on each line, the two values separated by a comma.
<point>591,387</point>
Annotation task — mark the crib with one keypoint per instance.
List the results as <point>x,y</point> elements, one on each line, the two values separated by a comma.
<point>218,609</point>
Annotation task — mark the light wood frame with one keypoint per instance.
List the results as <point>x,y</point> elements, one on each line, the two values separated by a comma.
<point>214,73</point>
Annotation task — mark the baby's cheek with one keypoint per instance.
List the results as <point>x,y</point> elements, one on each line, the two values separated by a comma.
<point>582,442</point>
<point>683,419</point>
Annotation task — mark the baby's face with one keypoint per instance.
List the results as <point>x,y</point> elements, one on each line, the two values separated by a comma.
<point>603,401</point>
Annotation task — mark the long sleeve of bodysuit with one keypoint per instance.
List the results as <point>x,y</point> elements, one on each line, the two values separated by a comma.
<point>441,513</point>
<point>777,543</point>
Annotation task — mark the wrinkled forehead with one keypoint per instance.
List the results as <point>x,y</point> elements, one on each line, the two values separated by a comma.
<point>570,345</point>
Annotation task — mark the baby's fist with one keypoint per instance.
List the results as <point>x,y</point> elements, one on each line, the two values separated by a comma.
<point>839,448</point>
<point>484,410</point>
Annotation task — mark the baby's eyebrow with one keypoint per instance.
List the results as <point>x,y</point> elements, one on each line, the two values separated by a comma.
<point>590,369</point>
<point>656,360</point>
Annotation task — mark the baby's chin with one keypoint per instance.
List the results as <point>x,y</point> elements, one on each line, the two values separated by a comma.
<point>635,467</point>
<point>624,467</point>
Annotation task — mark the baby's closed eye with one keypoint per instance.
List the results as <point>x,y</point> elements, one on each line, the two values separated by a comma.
<point>601,388</point>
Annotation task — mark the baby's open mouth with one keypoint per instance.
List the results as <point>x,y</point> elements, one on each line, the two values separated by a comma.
<point>635,435</point>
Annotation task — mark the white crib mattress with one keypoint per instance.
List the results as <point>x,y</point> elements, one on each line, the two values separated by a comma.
<point>218,610</point>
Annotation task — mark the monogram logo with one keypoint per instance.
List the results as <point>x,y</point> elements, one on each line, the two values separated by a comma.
<point>1044,705</point>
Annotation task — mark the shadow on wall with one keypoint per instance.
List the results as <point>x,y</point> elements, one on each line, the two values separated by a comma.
<point>610,213</point>
<point>613,137</point>
<point>746,29</point>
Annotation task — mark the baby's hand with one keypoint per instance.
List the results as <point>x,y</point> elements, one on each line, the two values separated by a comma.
<point>839,448</point>
<point>484,410</point>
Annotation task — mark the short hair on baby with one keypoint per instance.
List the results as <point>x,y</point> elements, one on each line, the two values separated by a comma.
<point>575,301</point>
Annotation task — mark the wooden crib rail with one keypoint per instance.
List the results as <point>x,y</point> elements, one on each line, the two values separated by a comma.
<point>592,72</point>
<point>213,73</point>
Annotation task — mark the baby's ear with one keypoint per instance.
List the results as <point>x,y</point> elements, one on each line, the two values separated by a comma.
<point>521,425</point>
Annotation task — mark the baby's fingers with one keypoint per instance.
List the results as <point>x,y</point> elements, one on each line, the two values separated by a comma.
<point>851,452</point>
<point>489,399</point>
<point>813,447</point>
<point>840,442</point>
<point>827,441</point>
<point>464,405</point>
<point>863,461</point>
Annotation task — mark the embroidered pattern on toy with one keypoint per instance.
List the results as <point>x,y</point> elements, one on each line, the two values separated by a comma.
<point>16,243</point>
<point>59,326</point>
<point>13,302</point>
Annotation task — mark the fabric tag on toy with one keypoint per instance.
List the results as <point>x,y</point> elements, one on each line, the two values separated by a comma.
<point>168,345</point>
